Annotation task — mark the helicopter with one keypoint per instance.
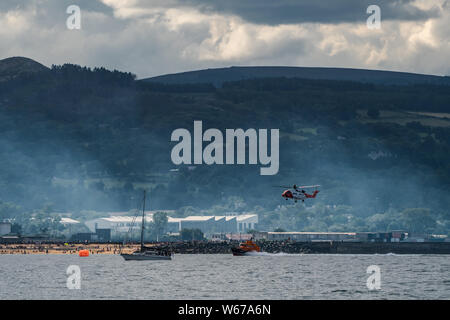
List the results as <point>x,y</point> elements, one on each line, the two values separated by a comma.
<point>298,193</point>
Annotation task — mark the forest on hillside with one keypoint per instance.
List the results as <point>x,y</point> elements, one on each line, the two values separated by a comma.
<point>81,140</point>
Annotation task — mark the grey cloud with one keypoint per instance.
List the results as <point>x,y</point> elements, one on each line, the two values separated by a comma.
<point>50,13</point>
<point>54,5</point>
<point>299,11</point>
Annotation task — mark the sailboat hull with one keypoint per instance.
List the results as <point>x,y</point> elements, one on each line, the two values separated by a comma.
<point>138,256</point>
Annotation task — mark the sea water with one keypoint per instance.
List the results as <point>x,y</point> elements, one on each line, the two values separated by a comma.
<point>223,276</point>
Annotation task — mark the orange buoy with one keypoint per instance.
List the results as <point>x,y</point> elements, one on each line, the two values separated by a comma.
<point>83,253</point>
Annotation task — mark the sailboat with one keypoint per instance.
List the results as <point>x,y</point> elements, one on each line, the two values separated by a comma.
<point>145,253</point>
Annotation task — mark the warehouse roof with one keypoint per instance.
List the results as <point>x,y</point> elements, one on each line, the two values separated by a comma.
<point>69,221</point>
<point>198,218</point>
<point>243,217</point>
<point>149,218</point>
<point>227,218</point>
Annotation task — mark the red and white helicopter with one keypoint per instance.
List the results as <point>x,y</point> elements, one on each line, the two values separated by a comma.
<point>298,192</point>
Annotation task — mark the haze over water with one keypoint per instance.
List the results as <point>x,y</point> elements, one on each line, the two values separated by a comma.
<point>270,276</point>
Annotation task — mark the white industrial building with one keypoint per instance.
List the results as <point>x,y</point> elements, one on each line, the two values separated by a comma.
<point>207,224</point>
<point>246,222</point>
<point>5,228</point>
<point>68,221</point>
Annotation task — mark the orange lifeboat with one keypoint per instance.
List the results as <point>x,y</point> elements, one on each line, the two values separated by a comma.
<point>83,253</point>
<point>245,248</point>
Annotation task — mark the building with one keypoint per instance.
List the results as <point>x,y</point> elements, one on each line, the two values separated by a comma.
<point>5,228</point>
<point>120,225</point>
<point>68,221</point>
<point>103,234</point>
<point>121,222</point>
<point>83,237</point>
<point>231,223</point>
<point>204,223</point>
<point>133,212</point>
<point>173,225</point>
<point>306,236</point>
<point>225,224</point>
<point>392,236</point>
<point>100,235</point>
<point>246,222</point>
<point>238,236</point>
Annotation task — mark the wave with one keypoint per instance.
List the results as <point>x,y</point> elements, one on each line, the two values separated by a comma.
<point>269,254</point>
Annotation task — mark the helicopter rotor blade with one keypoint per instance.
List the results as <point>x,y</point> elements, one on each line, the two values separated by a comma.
<point>298,187</point>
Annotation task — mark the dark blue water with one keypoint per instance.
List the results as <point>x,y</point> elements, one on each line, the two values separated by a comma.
<point>266,276</point>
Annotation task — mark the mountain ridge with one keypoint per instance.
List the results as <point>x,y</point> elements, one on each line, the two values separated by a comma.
<point>218,76</point>
<point>14,66</point>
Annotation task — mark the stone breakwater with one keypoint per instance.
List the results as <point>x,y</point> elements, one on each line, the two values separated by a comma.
<point>209,247</point>
<point>325,247</point>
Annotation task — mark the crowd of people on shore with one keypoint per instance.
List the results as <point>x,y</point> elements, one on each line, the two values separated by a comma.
<point>62,248</point>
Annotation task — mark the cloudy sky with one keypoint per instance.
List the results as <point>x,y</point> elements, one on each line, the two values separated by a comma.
<point>153,37</point>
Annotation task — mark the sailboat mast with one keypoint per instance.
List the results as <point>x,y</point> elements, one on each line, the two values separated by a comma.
<point>142,229</point>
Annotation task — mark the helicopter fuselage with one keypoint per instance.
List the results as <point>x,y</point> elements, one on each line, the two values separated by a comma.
<point>298,194</point>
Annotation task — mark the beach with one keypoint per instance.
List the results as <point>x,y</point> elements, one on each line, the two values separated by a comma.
<point>62,248</point>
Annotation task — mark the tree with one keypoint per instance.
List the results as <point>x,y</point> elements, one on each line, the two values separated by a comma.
<point>418,220</point>
<point>16,228</point>
<point>40,222</point>
<point>159,223</point>
<point>8,210</point>
<point>379,222</point>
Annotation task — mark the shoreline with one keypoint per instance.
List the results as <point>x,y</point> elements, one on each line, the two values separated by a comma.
<point>65,249</point>
<point>209,247</point>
